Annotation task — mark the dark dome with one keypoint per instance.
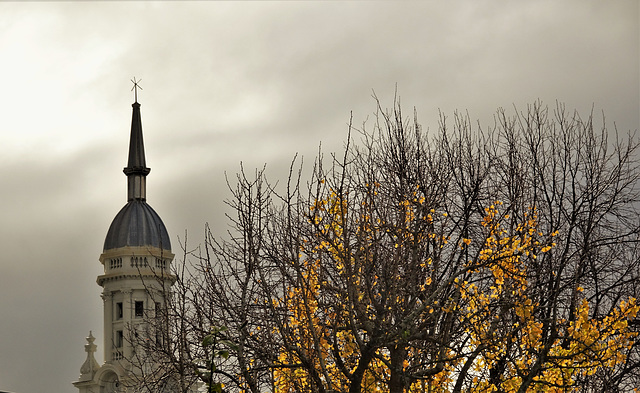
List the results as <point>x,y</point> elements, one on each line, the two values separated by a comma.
<point>137,225</point>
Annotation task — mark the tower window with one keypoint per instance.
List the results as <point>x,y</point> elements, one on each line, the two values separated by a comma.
<point>139,309</point>
<point>119,339</point>
<point>119,312</point>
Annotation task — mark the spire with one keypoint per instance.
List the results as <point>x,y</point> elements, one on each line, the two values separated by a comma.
<point>136,169</point>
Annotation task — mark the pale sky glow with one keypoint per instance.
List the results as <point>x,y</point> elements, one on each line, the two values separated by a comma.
<point>231,82</point>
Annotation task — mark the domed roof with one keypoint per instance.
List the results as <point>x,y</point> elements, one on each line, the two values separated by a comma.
<point>137,225</point>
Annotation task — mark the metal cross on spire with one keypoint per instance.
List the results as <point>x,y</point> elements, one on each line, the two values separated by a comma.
<point>135,87</point>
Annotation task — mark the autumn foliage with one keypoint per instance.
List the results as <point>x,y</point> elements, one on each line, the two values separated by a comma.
<point>493,334</point>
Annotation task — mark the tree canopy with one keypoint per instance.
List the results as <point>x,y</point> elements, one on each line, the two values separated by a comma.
<point>467,259</point>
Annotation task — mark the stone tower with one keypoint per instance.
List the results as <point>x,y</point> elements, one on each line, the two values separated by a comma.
<point>136,259</point>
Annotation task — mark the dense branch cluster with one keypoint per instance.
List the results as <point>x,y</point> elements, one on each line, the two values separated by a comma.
<point>467,260</point>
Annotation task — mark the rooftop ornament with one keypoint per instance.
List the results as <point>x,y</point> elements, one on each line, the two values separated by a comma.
<point>135,87</point>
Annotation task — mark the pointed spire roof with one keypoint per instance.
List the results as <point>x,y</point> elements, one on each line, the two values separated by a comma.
<point>136,164</point>
<point>137,224</point>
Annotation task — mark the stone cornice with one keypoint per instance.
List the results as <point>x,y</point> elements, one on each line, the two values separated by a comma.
<point>117,276</point>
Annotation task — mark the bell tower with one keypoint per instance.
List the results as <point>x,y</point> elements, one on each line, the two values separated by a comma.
<point>136,259</point>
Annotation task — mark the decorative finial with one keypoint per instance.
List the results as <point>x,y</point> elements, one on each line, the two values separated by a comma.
<point>90,366</point>
<point>135,87</point>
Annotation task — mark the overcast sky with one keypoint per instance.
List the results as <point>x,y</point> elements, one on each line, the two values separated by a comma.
<point>251,82</point>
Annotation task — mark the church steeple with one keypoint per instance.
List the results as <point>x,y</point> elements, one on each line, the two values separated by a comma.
<point>136,169</point>
<point>136,259</point>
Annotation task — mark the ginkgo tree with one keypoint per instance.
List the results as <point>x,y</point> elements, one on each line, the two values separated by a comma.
<point>499,259</point>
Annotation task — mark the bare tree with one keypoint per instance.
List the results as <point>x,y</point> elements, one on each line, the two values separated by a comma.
<point>456,261</point>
